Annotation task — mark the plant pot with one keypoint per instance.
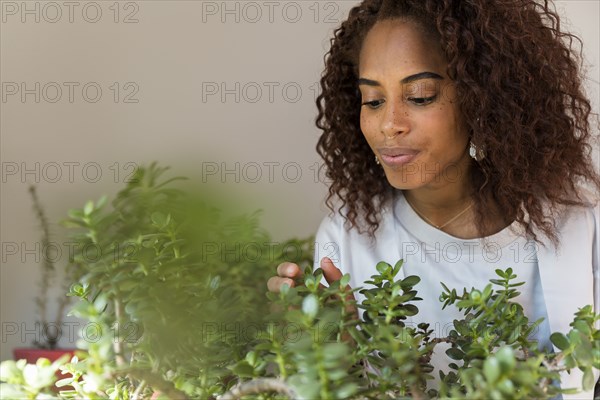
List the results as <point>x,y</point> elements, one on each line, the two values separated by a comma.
<point>32,354</point>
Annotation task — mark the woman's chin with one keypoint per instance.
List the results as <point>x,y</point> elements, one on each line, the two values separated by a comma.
<point>397,182</point>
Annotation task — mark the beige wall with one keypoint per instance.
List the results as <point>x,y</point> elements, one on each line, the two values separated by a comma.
<point>158,65</point>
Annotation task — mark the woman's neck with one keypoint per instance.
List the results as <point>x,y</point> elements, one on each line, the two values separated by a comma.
<point>452,209</point>
<point>438,203</point>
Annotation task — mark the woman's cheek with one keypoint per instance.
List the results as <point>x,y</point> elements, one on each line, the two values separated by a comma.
<point>368,128</point>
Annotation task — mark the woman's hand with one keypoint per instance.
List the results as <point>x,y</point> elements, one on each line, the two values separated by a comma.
<point>290,274</point>
<point>287,273</point>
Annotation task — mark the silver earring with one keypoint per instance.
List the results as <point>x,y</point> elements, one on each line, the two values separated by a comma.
<point>377,161</point>
<point>477,153</point>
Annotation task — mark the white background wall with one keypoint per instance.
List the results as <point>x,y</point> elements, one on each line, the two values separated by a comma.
<point>165,57</point>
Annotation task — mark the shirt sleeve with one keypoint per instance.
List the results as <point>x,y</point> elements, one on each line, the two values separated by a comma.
<point>596,261</point>
<point>596,273</point>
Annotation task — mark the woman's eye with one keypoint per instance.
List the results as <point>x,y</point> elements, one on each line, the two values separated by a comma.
<point>373,103</point>
<point>421,101</point>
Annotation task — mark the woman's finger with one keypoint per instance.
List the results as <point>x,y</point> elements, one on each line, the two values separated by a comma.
<point>330,271</point>
<point>289,270</point>
<point>275,282</point>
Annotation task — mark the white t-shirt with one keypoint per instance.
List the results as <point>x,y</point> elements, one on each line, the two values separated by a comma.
<point>435,257</point>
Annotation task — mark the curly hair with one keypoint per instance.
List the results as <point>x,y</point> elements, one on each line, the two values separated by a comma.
<point>519,86</point>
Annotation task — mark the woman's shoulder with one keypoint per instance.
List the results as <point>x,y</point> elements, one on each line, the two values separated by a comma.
<point>592,199</point>
<point>585,215</point>
<point>591,208</point>
<point>589,202</point>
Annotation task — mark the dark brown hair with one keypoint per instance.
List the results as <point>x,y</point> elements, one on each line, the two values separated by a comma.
<point>519,86</point>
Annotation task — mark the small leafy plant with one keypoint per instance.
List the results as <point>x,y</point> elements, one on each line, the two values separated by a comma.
<point>173,289</point>
<point>49,327</point>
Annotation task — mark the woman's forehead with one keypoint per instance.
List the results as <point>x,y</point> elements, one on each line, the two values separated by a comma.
<point>399,48</point>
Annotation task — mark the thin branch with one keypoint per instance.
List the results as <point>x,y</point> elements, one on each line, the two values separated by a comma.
<point>138,391</point>
<point>257,386</point>
<point>442,340</point>
<point>48,266</point>
<point>553,365</point>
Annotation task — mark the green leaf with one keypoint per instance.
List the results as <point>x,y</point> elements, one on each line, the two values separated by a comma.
<point>487,291</point>
<point>410,281</point>
<point>491,369</point>
<point>583,353</point>
<point>582,327</point>
<point>570,361</point>
<point>310,305</point>
<point>455,353</point>
<point>559,340</point>
<point>464,304</point>
<point>346,390</point>
<point>475,295</point>
<point>410,309</point>
<point>382,267</point>
<point>506,358</point>
<point>251,358</point>
<point>345,280</point>
<point>397,267</point>
<point>507,387</point>
<point>244,370</point>
<point>158,219</point>
<point>64,382</point>
<point>310,282</point>
<point>588,379</point>
<point>101,202</point>
<point>215,282</point>
<point>445,287</point>
<point>88,208</point>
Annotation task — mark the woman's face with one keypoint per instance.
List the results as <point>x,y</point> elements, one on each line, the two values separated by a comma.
<point>409,115</point>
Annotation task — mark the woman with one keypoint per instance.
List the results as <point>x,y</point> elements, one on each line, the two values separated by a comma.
<point>456,135</point>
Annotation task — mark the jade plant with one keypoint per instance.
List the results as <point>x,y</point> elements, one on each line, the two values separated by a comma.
<point>388,359</point>
<point>174,292</point>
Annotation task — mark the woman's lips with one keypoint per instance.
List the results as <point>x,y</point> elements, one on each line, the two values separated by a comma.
<point>395,157</point>
<point>395,161</point>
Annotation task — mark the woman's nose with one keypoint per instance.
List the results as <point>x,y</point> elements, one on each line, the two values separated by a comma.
<point>394,120</point>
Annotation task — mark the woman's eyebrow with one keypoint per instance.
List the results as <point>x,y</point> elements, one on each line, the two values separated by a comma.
<point>408,79</point>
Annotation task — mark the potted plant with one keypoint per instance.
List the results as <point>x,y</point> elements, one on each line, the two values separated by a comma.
<point>48,330</point>
<point>177,301</point>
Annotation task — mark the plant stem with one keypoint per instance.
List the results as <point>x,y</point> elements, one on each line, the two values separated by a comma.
<point>323,380</point>
<point>117,344</point>
<point>416,393</point>
<point>281,365</point>
<point>156,382</point>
